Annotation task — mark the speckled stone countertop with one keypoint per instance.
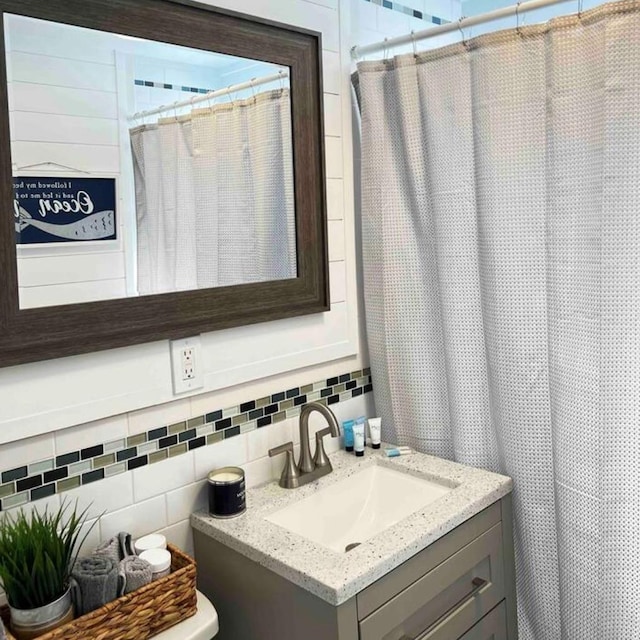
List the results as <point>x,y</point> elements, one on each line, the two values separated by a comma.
<point>336,577</point>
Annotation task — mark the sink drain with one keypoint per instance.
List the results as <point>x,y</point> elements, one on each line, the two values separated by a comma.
<point>351,546</point>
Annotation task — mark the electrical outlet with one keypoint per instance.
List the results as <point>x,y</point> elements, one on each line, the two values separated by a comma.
<point>186,364</point>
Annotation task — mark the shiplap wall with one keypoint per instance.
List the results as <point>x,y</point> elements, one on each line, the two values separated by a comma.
<point>63,105</point>
<point>42,397</point>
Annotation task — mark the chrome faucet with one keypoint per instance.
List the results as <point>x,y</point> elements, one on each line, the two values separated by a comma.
<point>308,469</point>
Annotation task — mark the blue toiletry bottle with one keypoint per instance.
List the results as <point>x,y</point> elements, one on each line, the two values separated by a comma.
<point>347,427</point>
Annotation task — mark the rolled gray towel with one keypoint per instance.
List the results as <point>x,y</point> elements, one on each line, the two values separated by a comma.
<point>94,583</point>
<point>118,547</point>
<point>110,549</point>
<point>126,545</point>
<point>134,573</point>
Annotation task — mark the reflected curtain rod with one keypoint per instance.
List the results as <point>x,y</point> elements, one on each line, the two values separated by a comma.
<point>250,84</point>
<point>458,25</point>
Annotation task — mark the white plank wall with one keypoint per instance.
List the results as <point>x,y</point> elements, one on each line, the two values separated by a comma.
<point>63,109</point>
<point>240,362</point>
<point>57,72</point>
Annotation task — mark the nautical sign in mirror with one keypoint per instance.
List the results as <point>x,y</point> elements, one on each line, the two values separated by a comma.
<point>200,144</point>
<point>49,209</point>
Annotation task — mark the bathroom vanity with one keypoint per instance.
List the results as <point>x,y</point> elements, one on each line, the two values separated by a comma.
<point>409,548</point>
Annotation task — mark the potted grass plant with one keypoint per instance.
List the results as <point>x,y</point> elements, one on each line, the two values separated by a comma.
<point>37,554</point>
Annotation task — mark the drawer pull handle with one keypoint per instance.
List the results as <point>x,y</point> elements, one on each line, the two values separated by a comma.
<point>478,584</point>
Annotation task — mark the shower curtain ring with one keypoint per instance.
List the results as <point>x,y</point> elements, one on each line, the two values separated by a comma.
<point>579,8</point>
<point>281,76</point>
<point>253,91</point>
<point>413,43</point>
<point>385,50</point>
<point>518,19</point>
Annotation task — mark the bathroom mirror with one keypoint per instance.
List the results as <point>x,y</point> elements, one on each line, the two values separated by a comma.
<point>162,172</point>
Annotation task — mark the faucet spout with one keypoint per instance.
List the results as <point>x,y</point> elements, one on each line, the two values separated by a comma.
<point>306,464</point>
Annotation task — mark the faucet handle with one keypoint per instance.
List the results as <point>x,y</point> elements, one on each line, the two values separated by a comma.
<point>290,473</point>
<point>321,459</point>
<point>283,448</point>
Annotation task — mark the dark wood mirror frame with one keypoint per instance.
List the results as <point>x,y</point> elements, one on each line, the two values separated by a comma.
<point>29,335</point>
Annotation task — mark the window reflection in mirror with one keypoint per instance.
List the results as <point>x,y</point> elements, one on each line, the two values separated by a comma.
<point>142,167</point>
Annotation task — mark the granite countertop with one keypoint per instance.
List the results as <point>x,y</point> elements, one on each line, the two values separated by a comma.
<point>336,577</point>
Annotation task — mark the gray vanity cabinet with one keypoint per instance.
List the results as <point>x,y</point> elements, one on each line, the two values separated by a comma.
<point>461,587</point>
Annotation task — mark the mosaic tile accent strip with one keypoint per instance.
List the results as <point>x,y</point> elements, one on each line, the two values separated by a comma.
<point>43,478</point>
<point>409,11</point>
<point>172,87</point>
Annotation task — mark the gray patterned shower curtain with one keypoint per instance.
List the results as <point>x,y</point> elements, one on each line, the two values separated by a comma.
<point>214,196</point>
<point>501,240</point>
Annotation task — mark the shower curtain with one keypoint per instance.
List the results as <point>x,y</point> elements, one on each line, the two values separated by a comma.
<point>501,240</point>
<point>214,196</point>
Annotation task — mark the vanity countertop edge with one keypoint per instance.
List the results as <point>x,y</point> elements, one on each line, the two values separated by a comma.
<point>336,577</point>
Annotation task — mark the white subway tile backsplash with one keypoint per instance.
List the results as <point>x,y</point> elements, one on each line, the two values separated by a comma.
<point>22,452</point>
<point>332,115</point>
<point>335,199</point>
<point>52,503</point>
<point>338,281</point>
<point>332,77</point>
<point>261,440</point>
<point>139,519</point>
<point>180,535</point>
<point>258,472</point>
<point>336,244</point>
<point>334,165</point>
<point>156,479</point>
<point>108,495</point>
<point>182,502</point>
<point>365,14</point>
<point>228,452</point>
<point>88,434</point>
<point>393,23</point>
<point>90,529</point>
<point>158,415</point>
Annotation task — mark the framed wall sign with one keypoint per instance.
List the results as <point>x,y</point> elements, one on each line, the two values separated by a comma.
<point>61,209</point>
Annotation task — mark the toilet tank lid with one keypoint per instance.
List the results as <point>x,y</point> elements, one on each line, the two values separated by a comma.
<point>202,626</point>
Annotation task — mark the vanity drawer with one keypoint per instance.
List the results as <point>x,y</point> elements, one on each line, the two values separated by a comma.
<point>492,627</point>
<point>452,596</point>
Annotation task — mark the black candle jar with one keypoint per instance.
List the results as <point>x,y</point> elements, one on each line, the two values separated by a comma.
<point>227,497</point>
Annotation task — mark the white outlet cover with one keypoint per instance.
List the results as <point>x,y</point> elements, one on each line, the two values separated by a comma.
<point>180,383</point>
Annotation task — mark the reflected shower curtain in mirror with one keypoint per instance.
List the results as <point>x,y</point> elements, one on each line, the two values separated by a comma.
<point>214,196</point>
<point>501,240</point>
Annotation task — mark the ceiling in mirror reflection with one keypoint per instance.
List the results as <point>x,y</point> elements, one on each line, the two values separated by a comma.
<point>113,201</point>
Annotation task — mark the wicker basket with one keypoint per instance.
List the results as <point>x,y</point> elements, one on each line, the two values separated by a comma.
<point>138,615</point>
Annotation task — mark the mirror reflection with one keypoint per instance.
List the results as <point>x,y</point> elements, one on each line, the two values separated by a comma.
<point>142,167</point>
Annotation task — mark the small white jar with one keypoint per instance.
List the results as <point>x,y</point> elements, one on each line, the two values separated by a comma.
<point>153,541</point>
<point>160,561</point>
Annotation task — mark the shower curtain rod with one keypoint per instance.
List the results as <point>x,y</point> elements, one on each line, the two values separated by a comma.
<point>458,25</point>
<point>250,84</point>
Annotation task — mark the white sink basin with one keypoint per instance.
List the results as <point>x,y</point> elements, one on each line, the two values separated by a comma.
<point>357,508</point>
